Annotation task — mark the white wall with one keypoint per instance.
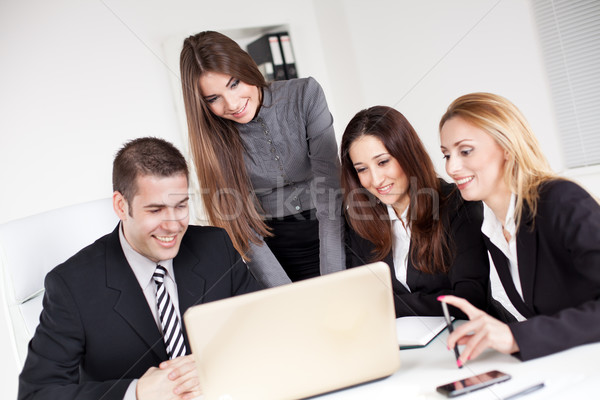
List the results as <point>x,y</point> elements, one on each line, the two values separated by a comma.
<point>419,56</point>
<point>80,77</point>
<point>76,83</point>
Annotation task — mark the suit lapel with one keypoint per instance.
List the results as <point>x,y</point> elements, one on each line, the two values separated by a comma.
<point>501,264</point>
<point>413,275</point>
<point>131,304</point>
<point>190,283</point>
<point>527,256</point>
<point>396,285</point>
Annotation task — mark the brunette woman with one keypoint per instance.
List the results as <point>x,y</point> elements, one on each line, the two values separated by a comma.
<point>400,212</point>
<point>266,159</point>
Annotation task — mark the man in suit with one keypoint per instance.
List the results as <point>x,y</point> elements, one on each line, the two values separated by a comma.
<point>101,332</point>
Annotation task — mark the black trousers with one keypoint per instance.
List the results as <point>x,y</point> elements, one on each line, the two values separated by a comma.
<point>295,244</point>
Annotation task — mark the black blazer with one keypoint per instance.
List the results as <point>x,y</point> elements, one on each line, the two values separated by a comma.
<point>559,267</point>
<point>469,271</point>
<point>96,331</point>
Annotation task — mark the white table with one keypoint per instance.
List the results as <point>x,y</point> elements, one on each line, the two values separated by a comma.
<point>571,374</point>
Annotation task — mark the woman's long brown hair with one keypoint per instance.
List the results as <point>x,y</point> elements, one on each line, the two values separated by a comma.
<point>430,249</point>
<point>215,143</point>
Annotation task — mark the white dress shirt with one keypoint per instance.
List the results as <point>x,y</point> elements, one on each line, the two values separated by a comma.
<point>143,268</point>
<point>493,229</point>
<point>400,244</point>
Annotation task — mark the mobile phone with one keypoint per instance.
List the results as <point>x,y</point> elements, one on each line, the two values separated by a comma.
<point>472,383</point>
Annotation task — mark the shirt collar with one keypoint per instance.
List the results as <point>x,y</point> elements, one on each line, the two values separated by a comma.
<point>509,222</point>
<point>142,267</point>
<point>267,100</point>
<point>492,224</point>
<point>394,216</point>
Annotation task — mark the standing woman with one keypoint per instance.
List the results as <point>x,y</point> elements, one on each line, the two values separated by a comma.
<point>542,232</point>
<point>400,212</point>
<point>266,159</point>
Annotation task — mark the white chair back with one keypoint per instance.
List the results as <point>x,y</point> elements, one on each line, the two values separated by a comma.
<point>32,246</point>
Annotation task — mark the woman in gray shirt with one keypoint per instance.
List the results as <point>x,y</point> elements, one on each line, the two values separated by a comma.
<point>266,159</point>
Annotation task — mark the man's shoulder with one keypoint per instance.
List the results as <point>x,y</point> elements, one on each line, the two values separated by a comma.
<point>83,262</point>
<point>198,232</point>
<point>208,240</point>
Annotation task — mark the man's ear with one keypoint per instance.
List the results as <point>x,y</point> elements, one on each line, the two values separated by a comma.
<point>120,206</point>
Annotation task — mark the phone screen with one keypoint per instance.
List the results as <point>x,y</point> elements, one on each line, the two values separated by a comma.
<point>472,383</point>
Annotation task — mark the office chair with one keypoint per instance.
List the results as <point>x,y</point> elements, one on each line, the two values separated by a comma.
<point>32,246</point>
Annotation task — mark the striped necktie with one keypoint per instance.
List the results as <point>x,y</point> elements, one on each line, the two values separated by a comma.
<point>172,333</point>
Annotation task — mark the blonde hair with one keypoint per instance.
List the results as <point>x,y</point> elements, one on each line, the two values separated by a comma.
<point>526,167</point>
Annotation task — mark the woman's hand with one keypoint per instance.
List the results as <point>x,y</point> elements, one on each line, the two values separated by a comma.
<point>482,331</point>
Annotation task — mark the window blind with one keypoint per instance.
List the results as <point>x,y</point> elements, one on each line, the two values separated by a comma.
<point>569,32</point>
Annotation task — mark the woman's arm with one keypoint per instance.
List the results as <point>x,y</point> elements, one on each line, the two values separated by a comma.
<point>325,166</point>
<point>470,269</point>
<point>265,267</point>
<point>571,216</point>
<point>468,273</point>
<point>568,224</point>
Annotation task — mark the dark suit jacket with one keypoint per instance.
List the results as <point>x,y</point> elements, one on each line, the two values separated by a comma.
<point>96,330</point>
<point>559,269</point>
<point>469,272</point>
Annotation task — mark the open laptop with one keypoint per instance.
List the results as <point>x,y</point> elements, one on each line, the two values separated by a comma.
<point>297,340</point>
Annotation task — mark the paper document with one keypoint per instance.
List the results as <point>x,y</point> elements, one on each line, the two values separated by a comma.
<point>418,331</point>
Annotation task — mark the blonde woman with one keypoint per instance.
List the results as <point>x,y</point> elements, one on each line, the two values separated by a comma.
<point>542,233</point>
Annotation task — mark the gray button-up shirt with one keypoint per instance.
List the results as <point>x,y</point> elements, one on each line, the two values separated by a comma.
<point>293,164</point>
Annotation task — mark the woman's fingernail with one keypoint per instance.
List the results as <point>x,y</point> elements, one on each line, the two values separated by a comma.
<point>440,298</point>
<point>459,363</point>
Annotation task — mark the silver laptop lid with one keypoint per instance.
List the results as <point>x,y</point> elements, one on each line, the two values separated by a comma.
<point>297,340</point>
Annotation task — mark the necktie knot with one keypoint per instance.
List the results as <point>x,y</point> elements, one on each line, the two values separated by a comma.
<point>159,274</point>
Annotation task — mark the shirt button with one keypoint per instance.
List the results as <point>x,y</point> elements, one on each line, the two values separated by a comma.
<point>276,157</point>
<point>297,207</point>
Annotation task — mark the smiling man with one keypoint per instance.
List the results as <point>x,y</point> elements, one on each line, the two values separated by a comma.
<point>111,326</point>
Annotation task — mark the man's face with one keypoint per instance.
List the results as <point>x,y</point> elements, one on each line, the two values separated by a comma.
<point>157,217</point>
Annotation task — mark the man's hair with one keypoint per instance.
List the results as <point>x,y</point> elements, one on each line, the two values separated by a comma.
<point>147,156</point>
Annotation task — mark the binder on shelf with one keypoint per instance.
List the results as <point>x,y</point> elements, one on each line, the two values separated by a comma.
<point>288,56</point>
<point>273,54</point>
